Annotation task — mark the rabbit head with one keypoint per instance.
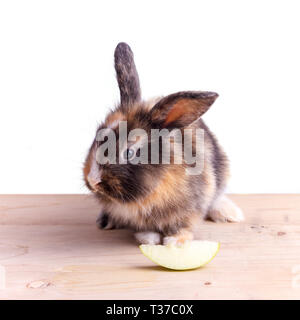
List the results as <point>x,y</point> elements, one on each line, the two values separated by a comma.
<point>127,179</point>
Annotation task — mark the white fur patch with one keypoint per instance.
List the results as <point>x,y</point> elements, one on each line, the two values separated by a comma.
<point>224,210</point>
<point>94,176</point>
<point>147,237</point>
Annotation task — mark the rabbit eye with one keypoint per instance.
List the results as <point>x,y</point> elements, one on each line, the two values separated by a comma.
<point>128,154</point>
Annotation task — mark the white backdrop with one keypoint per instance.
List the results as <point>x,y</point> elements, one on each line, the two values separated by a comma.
<point>57,81</point>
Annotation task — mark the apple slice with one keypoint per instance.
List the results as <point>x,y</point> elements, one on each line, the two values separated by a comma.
<point>190,255</point>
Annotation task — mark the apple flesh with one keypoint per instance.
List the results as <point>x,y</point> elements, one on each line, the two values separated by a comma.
<point>190,255</point>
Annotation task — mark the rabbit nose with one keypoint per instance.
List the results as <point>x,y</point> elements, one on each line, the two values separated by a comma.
<point>94,177</point>
<point>93,183</point>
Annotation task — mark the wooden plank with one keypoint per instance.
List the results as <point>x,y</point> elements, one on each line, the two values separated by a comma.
<point>51,249</point>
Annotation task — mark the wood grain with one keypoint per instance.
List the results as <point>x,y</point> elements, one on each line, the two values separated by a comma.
<point>51,249</point>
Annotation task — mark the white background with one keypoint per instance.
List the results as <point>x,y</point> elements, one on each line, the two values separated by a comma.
<point>57,81</point>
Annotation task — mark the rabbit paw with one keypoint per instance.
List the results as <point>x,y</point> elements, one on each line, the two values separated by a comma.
<point>179,238</point>
<point>105,222</point>
<point>224,210</point>
<point>148,237</point>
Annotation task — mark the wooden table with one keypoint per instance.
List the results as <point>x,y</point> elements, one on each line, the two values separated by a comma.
<point>50,248</point>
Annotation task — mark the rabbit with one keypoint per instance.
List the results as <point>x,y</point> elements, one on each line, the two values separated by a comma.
<point>160,202</point>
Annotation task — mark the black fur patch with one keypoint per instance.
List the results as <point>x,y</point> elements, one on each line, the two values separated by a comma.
<point>103,220</point>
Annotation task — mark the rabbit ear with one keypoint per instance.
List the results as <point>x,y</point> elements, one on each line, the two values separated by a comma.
<point>182,108</point>
<point>127,75</point>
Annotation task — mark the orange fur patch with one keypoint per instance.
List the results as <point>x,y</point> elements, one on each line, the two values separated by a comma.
<point>167,189</point>
<point>113,119</point>
<point>178,110</point>
<point>184,235</point>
